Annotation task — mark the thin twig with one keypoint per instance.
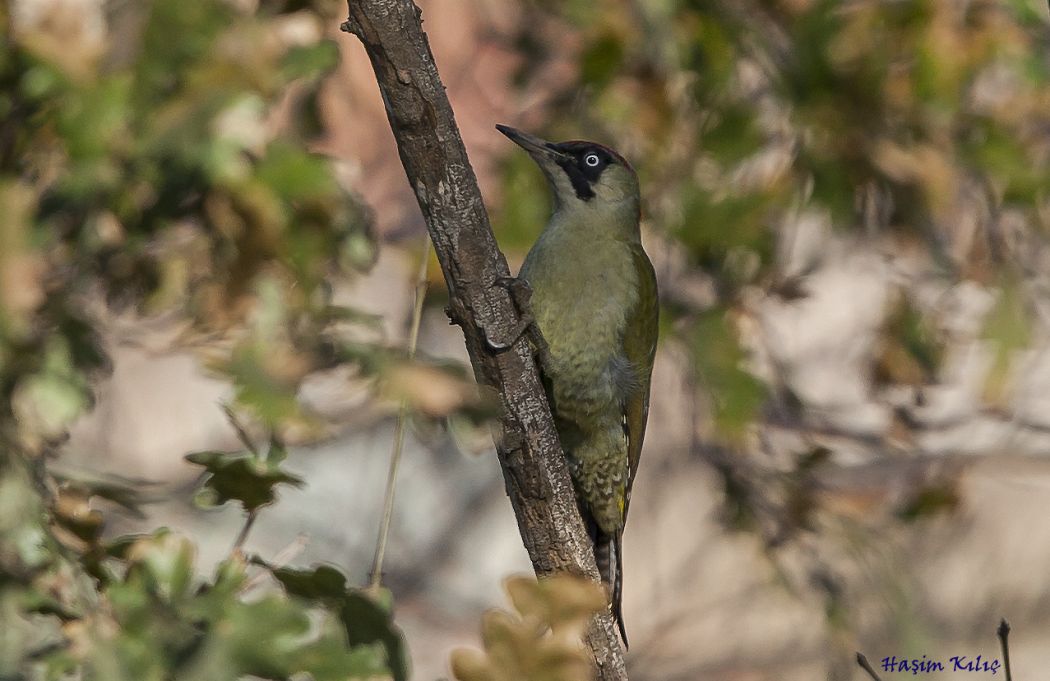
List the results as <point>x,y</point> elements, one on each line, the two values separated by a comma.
<point>399,430</point>
<point>242,434</point>
<point>242,536</point>
<point>863,662</point>
<point>281,559</point>
<point>1004,633</point>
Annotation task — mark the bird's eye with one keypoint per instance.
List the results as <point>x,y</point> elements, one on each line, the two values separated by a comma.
<point>592,160</point>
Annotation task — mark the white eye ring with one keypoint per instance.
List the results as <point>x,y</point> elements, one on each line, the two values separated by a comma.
<point>592,160</point>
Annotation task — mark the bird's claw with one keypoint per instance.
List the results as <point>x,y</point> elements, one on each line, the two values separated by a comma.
<point>519,290</point>
<point>521,295</point>
<point>519,330</point>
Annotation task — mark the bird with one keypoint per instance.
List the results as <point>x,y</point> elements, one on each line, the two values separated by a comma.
<point>593,297</point>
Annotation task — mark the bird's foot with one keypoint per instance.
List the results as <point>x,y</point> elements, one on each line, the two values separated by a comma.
<point>521,295</point>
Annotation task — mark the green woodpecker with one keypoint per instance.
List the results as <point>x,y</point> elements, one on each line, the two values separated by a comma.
<point>594,301</point>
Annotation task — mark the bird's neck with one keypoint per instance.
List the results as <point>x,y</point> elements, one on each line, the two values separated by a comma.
<point>609,219</point>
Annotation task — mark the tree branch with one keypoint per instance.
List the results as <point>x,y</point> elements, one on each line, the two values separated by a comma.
<point>435,161</point>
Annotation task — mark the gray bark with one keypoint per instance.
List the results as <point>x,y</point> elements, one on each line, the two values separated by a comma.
<point>435,161</point>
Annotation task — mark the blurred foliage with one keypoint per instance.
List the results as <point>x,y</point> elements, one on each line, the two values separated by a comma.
<point>718,362</point>
<point>541,642</point>
<point>159,622</point>
<point>156,157</point>
<point>1008,327</point>
<point>248,478</point>
<point>367,618</point>
<point>172,176</point>
<point>911,350</point>
<point>521,212</point>
<point>155,162</point>
<point>773,139</point>
<point>909,124</point>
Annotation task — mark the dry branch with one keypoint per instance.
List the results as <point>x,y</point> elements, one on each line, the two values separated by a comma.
<point>437,167</point>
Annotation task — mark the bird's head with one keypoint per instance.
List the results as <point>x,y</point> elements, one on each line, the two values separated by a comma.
<point>581,174</point>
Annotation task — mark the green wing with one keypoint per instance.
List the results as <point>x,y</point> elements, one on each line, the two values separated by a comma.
<point>640,347</point>
<point>639,344</point>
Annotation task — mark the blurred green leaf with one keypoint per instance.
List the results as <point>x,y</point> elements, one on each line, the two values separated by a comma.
<point>714,228</point>
<point>525,206</point>
<point>296,174</point>
<point>718,358</point>
<point>931,499</point>
<point>46,402</point>
<point>601,60</point>
<point>128,493</point>
<point>241,477</point>
<point>367,623</point>
<point>910,350</point>
<point>323,582</point>
<point>163,564</point>
<point>708,50</point>
<point>310,60</point>
<point>1007,328</point>
<point>733,134</point>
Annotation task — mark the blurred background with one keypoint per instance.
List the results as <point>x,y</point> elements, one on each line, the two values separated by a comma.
<point>846,202</point>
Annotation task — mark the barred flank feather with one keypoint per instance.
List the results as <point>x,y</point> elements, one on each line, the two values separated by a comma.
<point>603,555</point>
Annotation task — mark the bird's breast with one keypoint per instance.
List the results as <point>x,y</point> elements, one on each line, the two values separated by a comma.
<point>581,294</point>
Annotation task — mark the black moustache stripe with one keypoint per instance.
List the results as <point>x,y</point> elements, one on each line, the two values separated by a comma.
<point>580,184</point>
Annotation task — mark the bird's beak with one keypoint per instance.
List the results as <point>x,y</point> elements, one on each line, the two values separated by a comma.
<point>539,149</point>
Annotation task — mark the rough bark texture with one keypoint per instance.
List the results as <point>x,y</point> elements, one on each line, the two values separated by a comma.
<point>435,161</point>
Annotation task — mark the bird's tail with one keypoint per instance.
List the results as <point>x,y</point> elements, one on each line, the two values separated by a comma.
<point>608,555</point>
